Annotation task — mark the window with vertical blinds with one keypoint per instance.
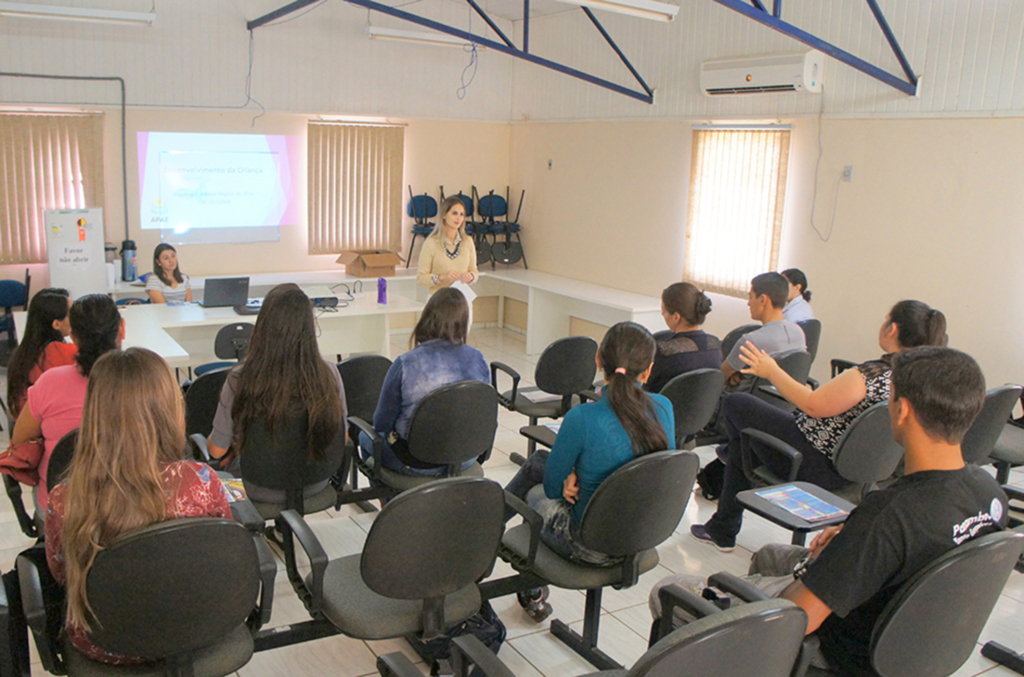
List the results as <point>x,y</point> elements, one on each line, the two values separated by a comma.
<point>47,161</point>
<point>737,191</point>
<point>355,187</point>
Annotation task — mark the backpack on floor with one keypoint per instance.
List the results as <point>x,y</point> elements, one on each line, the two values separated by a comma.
<point>710,479</point>
<point>484,624</point>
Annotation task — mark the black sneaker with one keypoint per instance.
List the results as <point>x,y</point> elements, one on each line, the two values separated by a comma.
<point>700,532</point>
<point>534,604</point>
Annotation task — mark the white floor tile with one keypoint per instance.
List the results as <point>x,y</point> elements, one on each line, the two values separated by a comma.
<point>550,656</point>
<point>617,640</point>
<point>338,656</point>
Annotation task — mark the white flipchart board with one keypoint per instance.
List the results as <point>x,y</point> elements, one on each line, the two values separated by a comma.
<point>74,246</point>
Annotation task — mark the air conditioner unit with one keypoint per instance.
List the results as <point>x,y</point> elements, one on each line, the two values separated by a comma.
<point>762,74</point>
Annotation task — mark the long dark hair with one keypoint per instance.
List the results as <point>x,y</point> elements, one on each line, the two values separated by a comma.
<point>47,306</point>
<point>96,325</point>
<point>797,278</point>
<point>691,303</point>
<point>626,352</point>
<point>918,324</point>
<point>446,316</point>
<point>158,269</point>
<point>283,375</point>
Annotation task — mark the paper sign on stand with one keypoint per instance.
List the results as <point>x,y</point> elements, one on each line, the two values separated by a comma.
<point>74,247</point>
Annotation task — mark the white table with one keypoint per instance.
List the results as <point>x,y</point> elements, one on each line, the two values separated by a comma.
<point>184,334</point>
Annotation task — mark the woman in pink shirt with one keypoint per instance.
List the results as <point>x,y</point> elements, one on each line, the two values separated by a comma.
<point>54,406</point>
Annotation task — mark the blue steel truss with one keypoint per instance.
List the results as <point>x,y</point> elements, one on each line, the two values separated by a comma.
<point>756,10</point>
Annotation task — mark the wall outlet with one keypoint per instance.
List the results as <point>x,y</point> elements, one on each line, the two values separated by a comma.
<point>550,164</point>
<point>848,173</point>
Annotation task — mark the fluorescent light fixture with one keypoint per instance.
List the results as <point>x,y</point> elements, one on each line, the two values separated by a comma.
<point>645,9</point>
<point>441,39</point>
<point>27,11</point>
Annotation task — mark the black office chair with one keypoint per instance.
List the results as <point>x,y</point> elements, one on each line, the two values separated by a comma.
<point>451,426</point>
<point>60,460</point>
<point>812,336</point>
<point>632,512</point>
<point>148,601</point>
<point>201,401</point>
<point>694,397</point>
<point>231,343</point>
<point>363,377</point>
<point>418,570</point>
<point>565,369</point>
<point>987,428</point>
<point>1008,451</point>
<point>797,364</point>
<point>730,340</point>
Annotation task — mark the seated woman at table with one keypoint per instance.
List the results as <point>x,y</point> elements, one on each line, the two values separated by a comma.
<point>167,284</point>
<point>594,440</point>
<point>823,415</point>
<point>42,346</point>
<point>448,254</point>
<point>798,307</point>
<point>128,472</point>
<point>439,356</point>
<point>281,376</point>
<point>54,404</point>
<point>685,346</point>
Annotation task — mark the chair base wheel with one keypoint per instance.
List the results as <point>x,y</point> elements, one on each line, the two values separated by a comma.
<point>1003,656</point>
<point>575,641</point>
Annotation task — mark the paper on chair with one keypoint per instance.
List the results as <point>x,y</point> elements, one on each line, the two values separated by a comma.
<point>466,291</point>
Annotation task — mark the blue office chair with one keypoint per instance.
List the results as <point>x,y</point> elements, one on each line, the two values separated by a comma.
<point>12,294</point>
<point>420,208</point>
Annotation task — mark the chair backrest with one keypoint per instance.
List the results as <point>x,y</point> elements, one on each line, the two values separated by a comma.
<point>797,364</point>
<point>60,459</point>
<point>201,400</point>
<point>467,202</point>
<point>760,638</point>
<point>363,378</point>
<point>931,625</point>
<point>421,207</point>
<point>492,206</point>
<point>232,341</point>
<point>132,301</point>
<point>985,431</point>
<point>733,336</point>
<point>454,424</point>
<point>12,293</point>
<point>280,460</point>
<point>150,599</point>
<point>694,396</point>
<point>867,451</point>
<point>812,335</point>
<point>567,366</point>
<point>639,505</point>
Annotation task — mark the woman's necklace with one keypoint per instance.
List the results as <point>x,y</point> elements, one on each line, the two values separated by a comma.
<point>455,254</point>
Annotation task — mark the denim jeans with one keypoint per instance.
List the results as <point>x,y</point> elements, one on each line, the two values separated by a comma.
<point>391,462</point>
<point>741,411</point>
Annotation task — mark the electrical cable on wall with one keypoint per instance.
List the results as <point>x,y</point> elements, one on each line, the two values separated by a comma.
<point>817,164</point>
<point>473,60</point>
<point>248,84</point>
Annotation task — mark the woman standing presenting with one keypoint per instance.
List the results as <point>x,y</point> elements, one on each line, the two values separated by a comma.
<point>448,255</point>
<point>166,283</point>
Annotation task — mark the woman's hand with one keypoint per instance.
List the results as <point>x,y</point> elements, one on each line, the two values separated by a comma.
<point>571,488</point>
<point>759,363</point>
<point>453,275</point>
<point>467,278</point>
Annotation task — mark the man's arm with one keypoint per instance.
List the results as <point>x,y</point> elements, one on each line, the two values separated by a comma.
<point>816,610</point>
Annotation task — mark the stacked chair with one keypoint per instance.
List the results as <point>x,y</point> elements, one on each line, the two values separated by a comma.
<point>420,208</point>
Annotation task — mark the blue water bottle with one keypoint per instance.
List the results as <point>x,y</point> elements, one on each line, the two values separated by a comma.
<point>382,291</point>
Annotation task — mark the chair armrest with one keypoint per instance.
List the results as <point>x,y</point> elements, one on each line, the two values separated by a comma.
<point>590,395</point>
<point>468,650</point>
<point>772,391</point>
<point>314,551</point>
<point>795,457</point>
<point>268,572</point>
<point>1014,494</point>
<point>43,615</point>
<point>839,366</point>
<point>375,439</point>
<point>396,664</point>
<point>246,514</point>
<point>674,597</point>
<point>813,383</point>
<point>532,518</point>
<point>736,586</point>
<point>500,366</point>
<point>25,521</point>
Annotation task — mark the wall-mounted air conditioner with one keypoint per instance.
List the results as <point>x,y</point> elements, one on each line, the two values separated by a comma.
<point>762,74</point>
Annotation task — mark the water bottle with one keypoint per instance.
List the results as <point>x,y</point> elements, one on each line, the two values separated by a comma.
<point>128,269</point>
<point>382,291</point>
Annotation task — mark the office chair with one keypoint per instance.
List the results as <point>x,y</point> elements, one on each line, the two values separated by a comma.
<point>694,396</point>
<point>420,208</point>
<point>201,401</point>
<point>12,294</point>
<point>981,438</point>
<point>363,378</point>
<point>812,336</point>
<point>735,335</point>
<point>231,343</point>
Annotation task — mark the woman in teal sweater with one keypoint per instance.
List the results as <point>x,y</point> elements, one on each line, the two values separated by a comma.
<point>594,440</point>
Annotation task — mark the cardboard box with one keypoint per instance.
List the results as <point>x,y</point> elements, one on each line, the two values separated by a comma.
<point>370,262</point>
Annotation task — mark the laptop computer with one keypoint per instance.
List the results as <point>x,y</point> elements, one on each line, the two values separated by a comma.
<point>223,292</point>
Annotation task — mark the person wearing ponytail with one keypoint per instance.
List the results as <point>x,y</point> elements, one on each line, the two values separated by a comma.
<point>55,401</point>
<point>685,346</point>
<point>42,347</point>
<point>822,415</point>
<point>594,440</point>
<point>798,307</point>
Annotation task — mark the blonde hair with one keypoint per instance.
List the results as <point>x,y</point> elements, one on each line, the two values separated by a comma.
<point>132,424</point>
<point>446,206</point>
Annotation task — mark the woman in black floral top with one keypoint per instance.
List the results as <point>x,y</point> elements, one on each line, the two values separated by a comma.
<point>822,416</point>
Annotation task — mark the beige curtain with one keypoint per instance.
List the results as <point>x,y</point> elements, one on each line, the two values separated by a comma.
<point>737,191</point>
<point>47,161</point>
<point>355,187</point>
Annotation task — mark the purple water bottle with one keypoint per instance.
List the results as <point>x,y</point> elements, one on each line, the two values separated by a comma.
<point>382,291</point>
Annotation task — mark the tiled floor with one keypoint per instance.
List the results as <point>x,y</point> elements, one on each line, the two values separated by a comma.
<point>530,650</point>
